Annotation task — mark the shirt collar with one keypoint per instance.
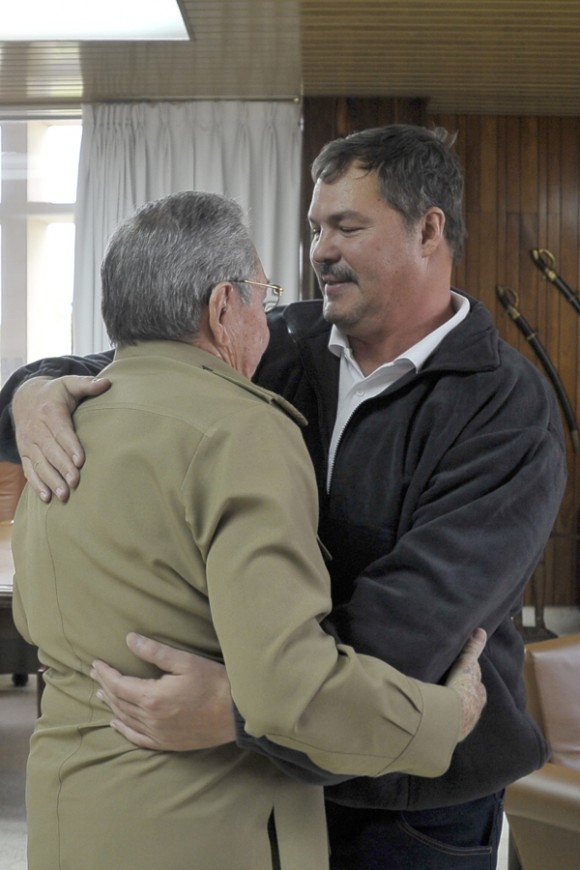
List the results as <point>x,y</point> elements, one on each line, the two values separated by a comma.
<point>338,343</point>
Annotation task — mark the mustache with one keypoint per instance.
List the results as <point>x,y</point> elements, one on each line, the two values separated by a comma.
<point>337,272</point>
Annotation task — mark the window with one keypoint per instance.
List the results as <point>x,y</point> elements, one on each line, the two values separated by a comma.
<point>38,176</point>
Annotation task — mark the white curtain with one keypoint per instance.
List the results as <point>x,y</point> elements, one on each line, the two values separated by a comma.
<point>132,153</point>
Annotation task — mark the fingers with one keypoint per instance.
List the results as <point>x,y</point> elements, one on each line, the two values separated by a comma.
<point>119,692</point>
<point>130,723</point>
<point>148,712</point>
<point>188,707</point>
<point>136,737</point>
<point>166,658</point>
<point>50,473</point>
<point>465,679</point>
<point>42,491</point>
<point>50,451</point>
<point>123,696</point>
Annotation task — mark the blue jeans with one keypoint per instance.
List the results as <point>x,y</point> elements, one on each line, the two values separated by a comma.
<point>463,837</point>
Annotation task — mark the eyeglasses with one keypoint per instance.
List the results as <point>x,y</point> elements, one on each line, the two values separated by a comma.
<point>273,293</point>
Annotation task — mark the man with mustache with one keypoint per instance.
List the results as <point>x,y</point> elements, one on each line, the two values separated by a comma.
<point>440,462</point>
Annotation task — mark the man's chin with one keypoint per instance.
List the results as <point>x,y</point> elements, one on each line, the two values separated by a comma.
<point>332,314</point>
<point>328,312</point>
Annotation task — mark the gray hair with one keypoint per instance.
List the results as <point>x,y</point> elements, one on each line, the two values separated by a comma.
<point>162,263</point>
<point>416,169</point>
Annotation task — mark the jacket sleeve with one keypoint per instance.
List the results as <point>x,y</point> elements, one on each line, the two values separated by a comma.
<point>53,367</point>
<point>467,550</point>
<point>254,523</point>
<point>295,764</point>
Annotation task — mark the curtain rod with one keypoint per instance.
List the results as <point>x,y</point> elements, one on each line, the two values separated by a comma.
<point>63,113</point>
<point>40,113</point>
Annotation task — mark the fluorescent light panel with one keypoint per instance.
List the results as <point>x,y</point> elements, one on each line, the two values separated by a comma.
<point>34,20</point>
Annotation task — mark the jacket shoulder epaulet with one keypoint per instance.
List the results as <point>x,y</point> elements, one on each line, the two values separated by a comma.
<point>265,395</point>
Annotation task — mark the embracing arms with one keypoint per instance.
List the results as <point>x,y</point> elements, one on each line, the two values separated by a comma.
<point>465,680</point>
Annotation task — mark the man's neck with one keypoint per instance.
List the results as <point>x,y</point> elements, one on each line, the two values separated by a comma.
<point>375,349</point>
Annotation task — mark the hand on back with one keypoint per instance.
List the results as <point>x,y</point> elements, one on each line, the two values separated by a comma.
<point>50,451</point>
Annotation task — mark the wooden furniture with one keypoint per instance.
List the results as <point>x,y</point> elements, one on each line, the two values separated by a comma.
<point>543,808</point>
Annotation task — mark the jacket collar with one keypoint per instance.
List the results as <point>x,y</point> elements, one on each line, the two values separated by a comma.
<point>306,325</point>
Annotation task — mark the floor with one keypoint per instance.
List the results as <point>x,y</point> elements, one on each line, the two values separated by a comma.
<point>17,716</point>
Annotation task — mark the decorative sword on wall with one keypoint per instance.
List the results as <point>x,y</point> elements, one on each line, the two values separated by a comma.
<point>545,261</point>
<point>510,301</point>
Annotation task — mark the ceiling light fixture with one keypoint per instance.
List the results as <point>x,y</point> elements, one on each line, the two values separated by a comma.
<point>83,20</point>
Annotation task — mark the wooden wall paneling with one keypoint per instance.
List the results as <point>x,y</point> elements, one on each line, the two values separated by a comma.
<point>543,168</point>
<point>567,262</point>
<point>472,164</point>
<point>537,280</point>
<point>474,248</point>
<point>513,213</point>
<point>559,335</point>
<point>471,283</point>
<point>488,164</point>
<point>488,208</point>
<point>501,184</point>
<point>561,340</point>
<point>559,552</point>
<point>510,276</point>
<point>551,239</point>
<point>516,173</point>
<point>553,139</point>
<point>487,260</point>
<point>529,164</point>
<point>527,289</point>
<point>530,207</point>
<point>513,129</point>
<point>563,150</point>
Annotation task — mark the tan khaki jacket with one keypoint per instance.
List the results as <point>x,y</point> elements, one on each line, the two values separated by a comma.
<point>194,523</point>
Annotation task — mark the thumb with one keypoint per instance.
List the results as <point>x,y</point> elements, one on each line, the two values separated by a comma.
<point>476,643</point>
<point>166,658</point>
<point>80,386</point>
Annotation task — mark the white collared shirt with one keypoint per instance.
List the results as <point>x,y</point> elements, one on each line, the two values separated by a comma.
<point>354,388</point>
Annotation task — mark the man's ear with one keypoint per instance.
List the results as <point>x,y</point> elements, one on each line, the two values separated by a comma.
<point>218,312</point>
<point>432,227</point>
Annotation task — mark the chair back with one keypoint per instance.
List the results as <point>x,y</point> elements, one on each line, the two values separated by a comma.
<point>552,675</point>
<point>543,808</point>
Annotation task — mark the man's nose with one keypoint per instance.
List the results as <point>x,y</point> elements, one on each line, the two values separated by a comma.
<point>323,249</point>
